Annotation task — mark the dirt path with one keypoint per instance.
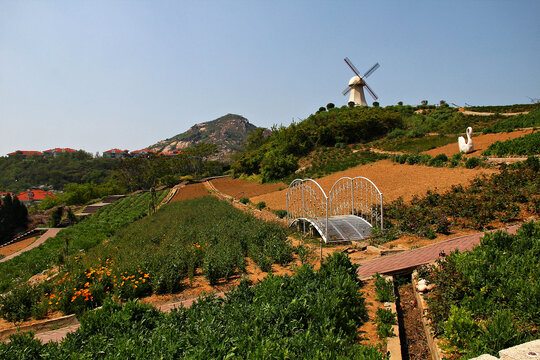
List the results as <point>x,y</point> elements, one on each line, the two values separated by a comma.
<point>48,234</point>
<point>481,143</point>
<point>394,180</point>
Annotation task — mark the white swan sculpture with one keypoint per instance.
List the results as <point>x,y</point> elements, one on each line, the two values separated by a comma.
<point>468,146</point>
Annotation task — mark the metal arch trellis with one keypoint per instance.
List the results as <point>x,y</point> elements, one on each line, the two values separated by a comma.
<point>359,196</point>
<point>306,200</point>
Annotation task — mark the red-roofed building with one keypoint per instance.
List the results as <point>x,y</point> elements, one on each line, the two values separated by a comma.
<point>27,197</point>
<point>25,153</point>
<point>116,153</point>
<point>4,194</point>
<point>142,152</point>
<point>56,151</point>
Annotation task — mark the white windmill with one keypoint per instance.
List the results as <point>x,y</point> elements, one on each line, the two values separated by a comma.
<point>357,84</point>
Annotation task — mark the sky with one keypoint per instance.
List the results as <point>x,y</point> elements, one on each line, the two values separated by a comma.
<point>96,75</point>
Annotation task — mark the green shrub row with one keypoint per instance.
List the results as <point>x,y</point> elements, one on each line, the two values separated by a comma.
<point>488,299</point>
<point>525,145</point>
<point>440,160</point>
<point>508,124</point>
<point>157,253</point>
<point>326,161</point>
<point>501,196</point>
<point>311,315</point>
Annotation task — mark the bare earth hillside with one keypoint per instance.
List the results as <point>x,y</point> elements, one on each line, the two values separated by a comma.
<point>394,180</point>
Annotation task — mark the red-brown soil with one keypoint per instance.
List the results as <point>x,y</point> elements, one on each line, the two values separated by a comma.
<point>368,331</point>
<point>238,188</point>
<point>13,248</point>
<point>190,191</point>
<point>392,179</point>
<point>481,143</point>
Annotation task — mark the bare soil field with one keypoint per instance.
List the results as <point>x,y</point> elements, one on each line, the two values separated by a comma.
<point>481,143</point>
<point>394,180</point>
<point>13,248</point>
<point>238,188</point>
<point>190,191</point>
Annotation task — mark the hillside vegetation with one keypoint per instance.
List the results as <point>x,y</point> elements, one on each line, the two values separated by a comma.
<point>18,174</point>
<point>393,128</point>
<point>80,237</point>
<point>276,156</point>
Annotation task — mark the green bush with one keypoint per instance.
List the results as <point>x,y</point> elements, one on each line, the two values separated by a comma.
<point>472,162</point>
<point>385,318</point>
<point>21,303</point>
<point>244,200</point>
<point>280,213</point>
<point>384,289</point>
<point>260,205</point>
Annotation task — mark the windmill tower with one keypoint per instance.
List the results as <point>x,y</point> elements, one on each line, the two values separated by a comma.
<point>357,84</point>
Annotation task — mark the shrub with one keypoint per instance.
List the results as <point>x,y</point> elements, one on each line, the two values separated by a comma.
<point>385,318</point>
<point>244,200</point>
<point>260,205</point>
<point>384,289</point>
<point>472,162</point>
<point>20,303</point>
<point>280,213</point>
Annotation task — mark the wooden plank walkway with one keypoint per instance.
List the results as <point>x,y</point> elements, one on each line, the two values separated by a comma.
<point>411,259</point>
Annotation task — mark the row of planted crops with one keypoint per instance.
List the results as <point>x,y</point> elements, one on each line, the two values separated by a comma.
<point>310,315</point>
<point>155,254</point>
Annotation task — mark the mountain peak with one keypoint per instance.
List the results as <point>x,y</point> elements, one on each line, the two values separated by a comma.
<point>228,132</point>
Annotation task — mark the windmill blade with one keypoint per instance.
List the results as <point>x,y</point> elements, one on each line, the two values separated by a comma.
<point>353,68</point>
<point>370,71</point>
<point>371,92</point>
<point>346,91</point>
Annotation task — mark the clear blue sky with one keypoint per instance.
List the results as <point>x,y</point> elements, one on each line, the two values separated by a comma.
<point>95,75</point>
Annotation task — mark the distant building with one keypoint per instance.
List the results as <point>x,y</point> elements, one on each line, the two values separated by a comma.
<point>56,151</point>
<point>35,195</point>
<point>142,152</point>
<point>25,153</point>
<point>116,153</point>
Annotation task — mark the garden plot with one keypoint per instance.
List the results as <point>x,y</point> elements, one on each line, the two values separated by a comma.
<point>238,188</point>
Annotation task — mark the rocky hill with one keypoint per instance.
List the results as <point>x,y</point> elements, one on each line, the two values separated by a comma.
<point>228,132</point>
